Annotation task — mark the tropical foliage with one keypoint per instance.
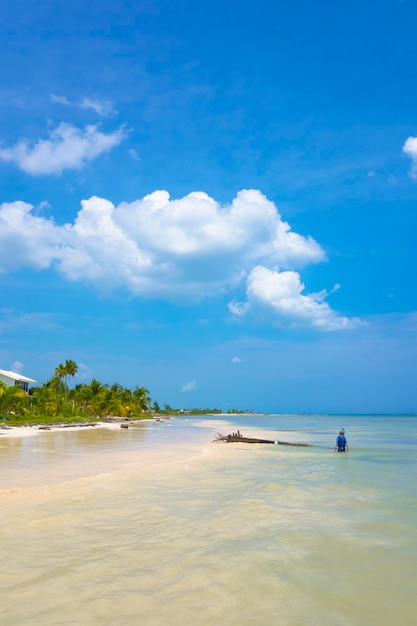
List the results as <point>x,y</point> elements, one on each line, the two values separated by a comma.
<point>55,399</point>
<point>11,399</point>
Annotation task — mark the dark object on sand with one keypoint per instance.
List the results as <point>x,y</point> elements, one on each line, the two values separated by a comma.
<point>241,439</point>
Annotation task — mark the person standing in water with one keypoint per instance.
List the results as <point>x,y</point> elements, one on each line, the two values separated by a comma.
<point>341,442</point>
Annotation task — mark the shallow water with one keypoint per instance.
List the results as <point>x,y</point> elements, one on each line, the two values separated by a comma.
<point>156,525</point>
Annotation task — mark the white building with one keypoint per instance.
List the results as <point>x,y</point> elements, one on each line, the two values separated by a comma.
<point>12,378</point>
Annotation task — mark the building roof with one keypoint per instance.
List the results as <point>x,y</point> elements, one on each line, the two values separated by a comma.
<point>15,376</point>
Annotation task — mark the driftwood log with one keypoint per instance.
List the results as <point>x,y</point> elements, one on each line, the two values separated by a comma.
<point>234,438</point>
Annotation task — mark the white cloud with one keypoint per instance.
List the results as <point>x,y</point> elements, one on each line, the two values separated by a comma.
<point>410,149</point>
<point>11,321</point>
<point>182,250</point>
<point>101,107</point>
<point>83,372</point>
<point>134,154</point>
<point>43,205</point>
<point>60,100</point>
<point>17,367</point>
<point>189,386</point>
<point>236,359</point>
<point>26,240</point>
<point>68,147</point>
<point>281,293</point>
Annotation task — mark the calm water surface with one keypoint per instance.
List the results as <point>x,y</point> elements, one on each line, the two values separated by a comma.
<point>157,525</point>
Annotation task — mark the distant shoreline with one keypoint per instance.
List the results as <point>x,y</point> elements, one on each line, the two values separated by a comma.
<point>113,423</point>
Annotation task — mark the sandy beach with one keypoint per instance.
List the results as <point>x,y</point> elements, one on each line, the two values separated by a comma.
<point>37,429</point>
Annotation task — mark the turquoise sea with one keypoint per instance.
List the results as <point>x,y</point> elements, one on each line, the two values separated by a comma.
<point>157,525</point>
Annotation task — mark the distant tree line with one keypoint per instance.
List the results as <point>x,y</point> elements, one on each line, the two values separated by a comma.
<point>197,411</point>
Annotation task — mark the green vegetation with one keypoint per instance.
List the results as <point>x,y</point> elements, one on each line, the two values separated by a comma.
<point>55,401</point>
<point>11,398</point>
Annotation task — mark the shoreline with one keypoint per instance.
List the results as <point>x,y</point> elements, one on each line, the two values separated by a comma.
<point>113,423</point>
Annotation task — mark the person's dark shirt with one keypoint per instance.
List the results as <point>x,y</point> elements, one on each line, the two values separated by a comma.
<point>341,442</point>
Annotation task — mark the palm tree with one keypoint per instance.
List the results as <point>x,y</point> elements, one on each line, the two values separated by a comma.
<point>57,382</point>
<point>43,399</point>
<point>109,402</point>
<point>60,372</point>
<point>58,386</point>
<point>123,399</point>
<point>10,396</point>
<point>71,368</point>
<point>81,395</point>
<point>129,402</point>
<point>95,387</point>
<point>63,372</point>
<point>142,399</point>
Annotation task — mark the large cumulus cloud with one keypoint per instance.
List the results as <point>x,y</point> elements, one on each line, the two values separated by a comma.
<point>182,249</point>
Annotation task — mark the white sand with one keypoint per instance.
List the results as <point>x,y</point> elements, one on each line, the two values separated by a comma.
<point>37,429</point>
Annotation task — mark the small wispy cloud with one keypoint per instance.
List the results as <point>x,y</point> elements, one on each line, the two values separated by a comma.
<point>83,371</point>
<point>60,100</point>
<point>236,359</point>
<point>11,321</point>
<point>134,154</point>
<point>17,366</point>
<point>67,147</point>
<point>104,108</point>
<point>190,386</point>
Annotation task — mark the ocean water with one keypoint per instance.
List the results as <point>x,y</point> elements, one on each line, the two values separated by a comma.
<point>159,526</point>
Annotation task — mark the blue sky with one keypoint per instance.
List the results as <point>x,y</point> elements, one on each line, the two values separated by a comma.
<point>214,200</point>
